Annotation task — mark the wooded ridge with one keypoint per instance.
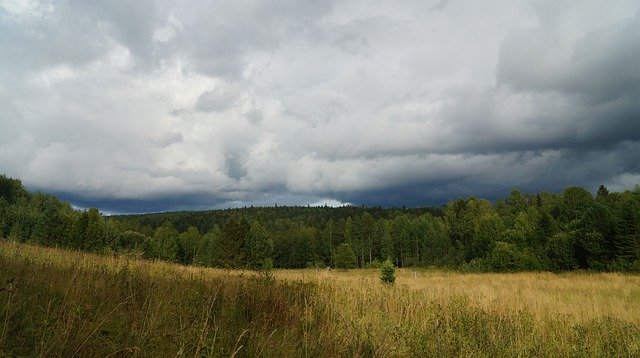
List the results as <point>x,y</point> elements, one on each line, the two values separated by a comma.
<point>543,231</point>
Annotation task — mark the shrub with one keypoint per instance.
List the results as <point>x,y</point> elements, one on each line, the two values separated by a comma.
<point>375,264</point>
<point>475,265</point>
<point>387,272</point>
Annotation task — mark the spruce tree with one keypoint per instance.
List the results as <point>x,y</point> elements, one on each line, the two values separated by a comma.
<point>388,272</point>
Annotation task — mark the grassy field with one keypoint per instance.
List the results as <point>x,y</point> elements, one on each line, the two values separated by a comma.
<point>61,303</point>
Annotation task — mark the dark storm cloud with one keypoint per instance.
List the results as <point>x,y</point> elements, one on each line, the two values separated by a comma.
<point>600,67</point>
<point>154,105</point>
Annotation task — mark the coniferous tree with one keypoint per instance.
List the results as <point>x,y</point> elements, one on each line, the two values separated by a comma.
<point>388,272</point>
<point>345,257</point>
<point>626,242</point>
<point>603,193</point>
<point>260,247</point>
<point>232,250</point>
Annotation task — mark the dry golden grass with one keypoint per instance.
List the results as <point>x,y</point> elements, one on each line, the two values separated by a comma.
<point>68,303</point>
<point>574,296</point>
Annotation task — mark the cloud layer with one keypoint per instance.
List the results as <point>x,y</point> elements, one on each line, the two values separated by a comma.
<point>158,105</point>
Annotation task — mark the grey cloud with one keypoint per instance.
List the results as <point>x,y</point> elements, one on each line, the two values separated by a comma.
<point>601,66</point>
<point>47,39</point>
<point>217,36</point>
<point>168,139</point>
<point>235,166</point>
<point>218,99</point>
<point>440,5</point>
<point>254,116</point>
<point>145,106</point>
<point>130,23</point>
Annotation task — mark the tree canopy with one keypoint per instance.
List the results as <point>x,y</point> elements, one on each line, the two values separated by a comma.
<point>543,231</point>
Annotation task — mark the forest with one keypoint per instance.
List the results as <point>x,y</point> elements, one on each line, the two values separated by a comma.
<point>521,232</point>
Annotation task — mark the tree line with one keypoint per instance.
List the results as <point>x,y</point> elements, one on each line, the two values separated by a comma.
<point>544,231</point>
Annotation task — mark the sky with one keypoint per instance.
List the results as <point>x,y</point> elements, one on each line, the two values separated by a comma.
<point>141,106</point>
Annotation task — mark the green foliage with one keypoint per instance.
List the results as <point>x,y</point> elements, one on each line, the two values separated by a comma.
<point>188,245</point>
<point>507,257</point>
<point>543,231</point>
<point>94,238</point>
<point>260,246</point>
<point>388,272</point>
<point>574,202</point>
<point>344,257</point>
<point>560,252</point>
<point>375,264</point>
<point>602,193</point>
<point>11,190</point>
<point>231,252</point>
<point>164,244</point>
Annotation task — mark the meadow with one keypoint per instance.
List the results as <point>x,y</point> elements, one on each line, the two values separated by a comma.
<point>55,302</point>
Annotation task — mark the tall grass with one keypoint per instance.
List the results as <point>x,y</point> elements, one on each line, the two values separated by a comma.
<point>61,303</point>
<point>67,304</point>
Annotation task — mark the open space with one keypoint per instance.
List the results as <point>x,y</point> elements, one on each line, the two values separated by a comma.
<point>63,303</point>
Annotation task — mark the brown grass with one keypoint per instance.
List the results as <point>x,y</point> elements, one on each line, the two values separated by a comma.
<point>577,297</point>
<point>63,303</point>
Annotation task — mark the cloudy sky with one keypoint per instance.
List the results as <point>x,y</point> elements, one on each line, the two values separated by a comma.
<point>143,105</point>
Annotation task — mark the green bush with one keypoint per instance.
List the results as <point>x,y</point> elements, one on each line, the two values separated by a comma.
<point>475,265</point>
<point>375,264</point>
<point>388,272</point>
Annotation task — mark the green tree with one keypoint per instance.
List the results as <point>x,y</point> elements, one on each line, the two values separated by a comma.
<point>560,253</point>
<point>209,244</point>
<point>79,231</point>
<point>388,272</point>
<point>594,237</point>
<point>387,251</point>
<point>489,228</point>
<point>364,237</point>
<point>326,242</point>
<point>164,243</point>
<point>546,227</point>
<point>188,245</point>
<point>11,190</point>
<point>603,193</point>
<point>512,206</point>
<point>509,258</point>
<point>437,249</point>
<point>401,233</point>
<point>626,238</point>
<point>95,235</point>
<point>232,248</point>
<point>260,247</point>
<point>345,257</point>
<point>574,202</point>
